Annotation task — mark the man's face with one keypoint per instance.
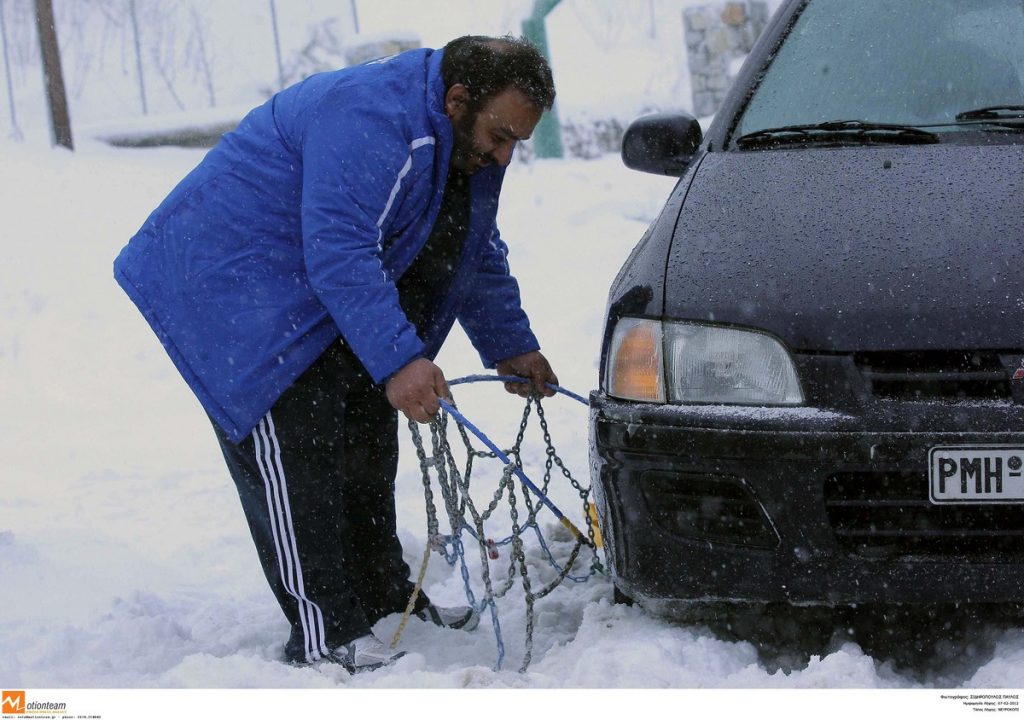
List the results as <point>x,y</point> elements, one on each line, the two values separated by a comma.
<point>489,135</point>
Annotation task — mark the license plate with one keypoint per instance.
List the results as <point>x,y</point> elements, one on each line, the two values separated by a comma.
<point>976,474</point>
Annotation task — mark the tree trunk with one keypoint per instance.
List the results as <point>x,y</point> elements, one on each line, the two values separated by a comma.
<point>60,120</point>
<point>277,46</point>
<point>355,17</point>
<point>15,131</point>
<point>138,55</point>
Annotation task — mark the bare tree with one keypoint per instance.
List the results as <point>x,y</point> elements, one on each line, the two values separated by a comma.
<point>163,50</point>
<point>198,49</point>
<point>277,45</point>
<point>15,131</point>
<point>324,49</point>
<point>22,35</point>
<point>138,55</point>
<point>59,117</point>
<point>355,17</point>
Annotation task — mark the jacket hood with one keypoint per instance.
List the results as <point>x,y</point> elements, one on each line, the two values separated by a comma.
<point>843,249</point>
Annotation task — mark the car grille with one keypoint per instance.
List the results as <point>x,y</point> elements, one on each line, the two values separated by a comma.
<point>932,375</point>
<point>889,515</point>
<point>717,508</point>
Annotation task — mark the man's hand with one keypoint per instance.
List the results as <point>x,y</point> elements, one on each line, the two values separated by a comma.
<point>415,389</point>
<point>530,365</point>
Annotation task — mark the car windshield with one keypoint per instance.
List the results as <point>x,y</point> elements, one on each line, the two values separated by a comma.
<point>899,62</point>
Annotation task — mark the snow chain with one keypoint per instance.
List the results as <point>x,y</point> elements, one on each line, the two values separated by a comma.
<point>454,488</point>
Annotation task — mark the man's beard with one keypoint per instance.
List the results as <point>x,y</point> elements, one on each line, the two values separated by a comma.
<point>466,156</point>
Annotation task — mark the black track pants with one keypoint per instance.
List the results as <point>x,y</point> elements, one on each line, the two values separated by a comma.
<point>317,483</point>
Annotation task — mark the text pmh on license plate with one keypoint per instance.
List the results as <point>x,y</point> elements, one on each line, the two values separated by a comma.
<point>976,474</point>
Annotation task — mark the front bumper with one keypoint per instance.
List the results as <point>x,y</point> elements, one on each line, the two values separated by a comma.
<point>758,505</point>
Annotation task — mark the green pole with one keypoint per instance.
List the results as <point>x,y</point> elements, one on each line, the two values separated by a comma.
<point>548,134</point>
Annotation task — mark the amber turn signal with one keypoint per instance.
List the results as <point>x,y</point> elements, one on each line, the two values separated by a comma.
<point>635,366</point>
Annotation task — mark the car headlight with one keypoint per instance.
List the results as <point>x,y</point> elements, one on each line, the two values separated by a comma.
<point>652,361</point>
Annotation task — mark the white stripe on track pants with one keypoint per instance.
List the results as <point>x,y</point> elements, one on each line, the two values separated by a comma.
<point>317,480</point>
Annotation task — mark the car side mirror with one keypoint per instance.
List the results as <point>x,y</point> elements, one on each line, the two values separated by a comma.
<point>661,143</point>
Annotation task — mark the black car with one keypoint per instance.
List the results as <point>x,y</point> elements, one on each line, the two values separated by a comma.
<point>812,376</point>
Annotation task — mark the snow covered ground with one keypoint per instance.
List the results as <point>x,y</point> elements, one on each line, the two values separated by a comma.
<point>124,558</point>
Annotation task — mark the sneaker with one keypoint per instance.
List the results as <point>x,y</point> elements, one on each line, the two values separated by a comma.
<point>363,655</point>
<point>461,617</point>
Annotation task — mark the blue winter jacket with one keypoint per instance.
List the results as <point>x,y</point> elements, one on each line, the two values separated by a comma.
<point>292,231</point>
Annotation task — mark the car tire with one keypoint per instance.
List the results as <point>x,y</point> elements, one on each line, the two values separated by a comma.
<point>621,598</point>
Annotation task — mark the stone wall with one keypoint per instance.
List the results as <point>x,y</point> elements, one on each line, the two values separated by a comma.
<point>716,35</point>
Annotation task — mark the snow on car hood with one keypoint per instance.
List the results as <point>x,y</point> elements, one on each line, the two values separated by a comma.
<point>866,248</point>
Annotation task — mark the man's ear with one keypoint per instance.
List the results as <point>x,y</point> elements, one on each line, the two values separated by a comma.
<point>456,101</point>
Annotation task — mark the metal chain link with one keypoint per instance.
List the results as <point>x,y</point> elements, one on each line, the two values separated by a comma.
<point>454,489</point>
<point>553,458</point>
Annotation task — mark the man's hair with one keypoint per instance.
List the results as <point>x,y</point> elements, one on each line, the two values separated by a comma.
<point>488,66</point>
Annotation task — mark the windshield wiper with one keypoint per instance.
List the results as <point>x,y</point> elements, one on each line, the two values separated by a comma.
<point>837,131</point>
<point>1004,117</point>
<point>996,112</point>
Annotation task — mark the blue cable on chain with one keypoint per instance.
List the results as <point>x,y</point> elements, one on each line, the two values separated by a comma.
<point>515,379</point>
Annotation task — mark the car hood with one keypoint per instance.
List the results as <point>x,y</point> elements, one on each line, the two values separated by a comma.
<point>843,249</point>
